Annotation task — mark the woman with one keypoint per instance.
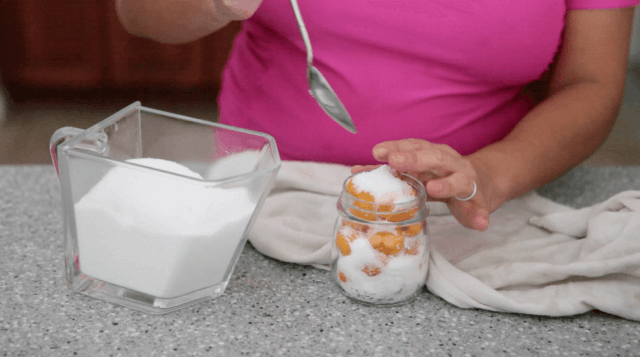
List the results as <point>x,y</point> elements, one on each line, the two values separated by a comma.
<point>435,87</point>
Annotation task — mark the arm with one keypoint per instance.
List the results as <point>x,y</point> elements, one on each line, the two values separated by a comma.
<point>585,92</point>
<point>181,21</point>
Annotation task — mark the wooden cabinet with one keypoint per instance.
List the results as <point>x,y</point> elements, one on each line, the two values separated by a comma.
<point>56,45</point>
<point>79,44</point>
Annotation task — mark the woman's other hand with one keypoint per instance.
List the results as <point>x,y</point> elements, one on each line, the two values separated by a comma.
<point>181,21</point>
<point>446,174</point>
<point>236,9</point>
<point>585,90</point>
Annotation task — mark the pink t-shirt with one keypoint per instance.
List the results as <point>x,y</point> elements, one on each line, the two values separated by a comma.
<point>447,71</point>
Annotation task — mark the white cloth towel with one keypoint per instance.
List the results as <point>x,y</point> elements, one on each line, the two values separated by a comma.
<point>537,257</point>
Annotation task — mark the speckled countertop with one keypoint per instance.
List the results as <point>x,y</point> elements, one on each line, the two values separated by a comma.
<point>269,307</point>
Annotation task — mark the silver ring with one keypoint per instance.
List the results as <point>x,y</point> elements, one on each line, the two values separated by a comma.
<point>475,189</point>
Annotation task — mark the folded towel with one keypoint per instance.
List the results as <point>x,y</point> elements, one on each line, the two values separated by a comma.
<point>537,257</point>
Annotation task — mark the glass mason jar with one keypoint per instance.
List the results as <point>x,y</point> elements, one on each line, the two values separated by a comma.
<point>380,252</point>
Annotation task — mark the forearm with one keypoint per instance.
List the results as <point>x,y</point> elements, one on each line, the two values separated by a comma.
<point>556,135</point>
<point>180,21</point>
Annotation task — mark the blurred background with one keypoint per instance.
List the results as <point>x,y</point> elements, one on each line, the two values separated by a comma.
<point>70,63</point>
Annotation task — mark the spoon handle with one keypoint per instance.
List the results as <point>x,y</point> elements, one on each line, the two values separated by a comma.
<point>303,31</point>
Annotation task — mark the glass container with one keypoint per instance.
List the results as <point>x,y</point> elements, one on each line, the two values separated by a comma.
<point>157,206</point>
<point>380,252</point>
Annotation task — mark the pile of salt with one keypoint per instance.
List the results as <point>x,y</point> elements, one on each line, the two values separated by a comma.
<point>158,234</point>
<point>383,186</point>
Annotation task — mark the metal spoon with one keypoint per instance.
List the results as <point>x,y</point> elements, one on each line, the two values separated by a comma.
<point>319,88</point>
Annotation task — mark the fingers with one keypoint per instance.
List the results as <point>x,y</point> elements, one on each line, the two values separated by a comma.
<point>471,215</point>
<point>481,221</point>
<point>242,9</point>
<point>361,168</point>
<point>419,156</point>
<point>445,173</point>
<point>381,151</point>
<point>459,184</point>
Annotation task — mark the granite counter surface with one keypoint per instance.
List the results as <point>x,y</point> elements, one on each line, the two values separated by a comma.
<point>270,308</point>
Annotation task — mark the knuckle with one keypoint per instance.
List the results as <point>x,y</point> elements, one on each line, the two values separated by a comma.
<point>409,144</point>
<point>448,149</point>
<point>468,169</point>
<point>438,156</point>
<point>422,158</point>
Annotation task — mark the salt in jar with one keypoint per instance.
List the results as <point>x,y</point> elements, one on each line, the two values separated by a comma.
<point>380,248</point>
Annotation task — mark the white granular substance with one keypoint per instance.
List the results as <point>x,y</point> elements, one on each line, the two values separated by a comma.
<point>159,235</point>
<point>371,276</point>
<point>401,277</point>
<point>383,185</point>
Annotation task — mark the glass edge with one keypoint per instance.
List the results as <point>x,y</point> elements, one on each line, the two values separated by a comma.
<point>423,192</point>
<point>123,163</point>
<point>68,144</point>
<point>425,205</point>
<point>270,139</point>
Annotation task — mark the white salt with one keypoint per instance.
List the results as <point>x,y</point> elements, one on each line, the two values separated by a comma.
<point>242,163</point>
<point>402,276</point>
<point>160,235</point>
<point>410,268</point>
<point>383,185</point>
<point>368,274</point>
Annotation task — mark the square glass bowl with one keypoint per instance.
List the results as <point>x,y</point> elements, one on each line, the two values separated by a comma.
<point>157,206</point>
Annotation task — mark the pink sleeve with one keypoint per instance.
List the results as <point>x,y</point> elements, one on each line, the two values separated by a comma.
<point>599,4</point>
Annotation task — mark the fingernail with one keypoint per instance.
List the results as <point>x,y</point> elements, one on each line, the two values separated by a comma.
<point>481,222</point>
<point>381,151</point>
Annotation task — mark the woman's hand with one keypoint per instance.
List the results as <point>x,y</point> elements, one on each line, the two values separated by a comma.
<point>446,175</point>
<point>181,21</point>
<point>236,9</point>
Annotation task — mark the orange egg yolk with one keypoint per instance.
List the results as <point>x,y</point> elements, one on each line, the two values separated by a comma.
<point>387,242</point>
<point>371,270</point>
<point>343,244</point>
<point>410,230</point>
